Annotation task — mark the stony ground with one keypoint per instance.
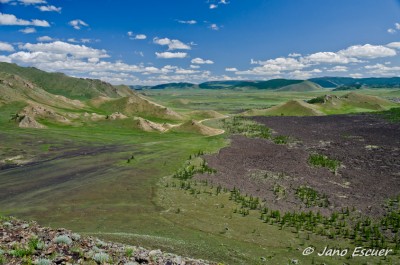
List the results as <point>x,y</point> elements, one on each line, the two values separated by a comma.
<point>28,243</point>
<point>367,146</point>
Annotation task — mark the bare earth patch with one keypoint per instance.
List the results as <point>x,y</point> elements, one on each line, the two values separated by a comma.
<point>367,147</point>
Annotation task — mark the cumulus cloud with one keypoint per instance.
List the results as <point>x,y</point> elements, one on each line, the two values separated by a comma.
<point>194,66</point>
<point>213,6</point>
<point>395,45</point>
<point>368,51</point>
<point>296,65</point>
<point>28,30</point>
<point>328,57</point>
<point>201,61</point>
<point>391,31</point>
<point>383,70</point>
<point>231,69</point>
<point>63,48</point>
<point>4,46</point>
<point>49,8</point>
<point>44,39</point>
<point>171,55</point>
<point>78,24</point>
<point>12,20</point>
<point>172,44</point>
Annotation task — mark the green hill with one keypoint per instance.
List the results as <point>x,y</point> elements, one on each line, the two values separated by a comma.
<point>290,108</point>
<point>301,87</point>
<point>135,105</point>
<point>61,84</point>
<point>351,102</point>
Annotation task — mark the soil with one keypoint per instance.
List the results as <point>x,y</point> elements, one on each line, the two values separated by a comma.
<point>367,146</point>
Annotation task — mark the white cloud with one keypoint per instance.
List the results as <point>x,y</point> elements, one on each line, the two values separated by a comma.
<point>201,61</point>
<point>140,37</point>
<point>213,6</point>
<point>32,2</point>
<point>4,46</point>
<point>171,55</point>
<point>338,69</point>
<point>190,22</point>
<point>328,57</point>
<point>59,47</point>
<point>185,71</point>
<point>214,27</point>
<point>294,55</point>
<point>394,45</point>
<point>130,33</point>
<point>383,70</point>
<point>295,66</point>
<point>391,31</point>
<point>281,64</point>
<point>11,20</point>
<point>194,66</point>
<point>28,30</point>
<point>44,39</point>
<point>78,24</point>
<point>49,8</point>
<point>232,69</point>
<point>172,44</point>
<point>397,25</point>
<point>356,75</point>
<point>5,59</point>
<point>368,51</point>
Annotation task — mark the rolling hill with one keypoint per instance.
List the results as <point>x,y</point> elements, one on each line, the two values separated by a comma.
<point>61,84</point>
<point>328,104</point>
<point>304,86</point>
<point>290,108</point>
<point>39,99</point>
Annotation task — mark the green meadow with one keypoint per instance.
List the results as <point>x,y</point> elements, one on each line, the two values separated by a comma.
<point>112,180</point>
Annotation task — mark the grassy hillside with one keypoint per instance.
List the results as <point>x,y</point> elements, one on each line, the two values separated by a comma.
<point>133,106</point>
<point>60,84</point>
<point>354,102</point>
<point>301,87</point>
<point>290,108</point>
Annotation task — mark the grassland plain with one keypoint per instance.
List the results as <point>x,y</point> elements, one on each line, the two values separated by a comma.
<point>80,178</point>
<point>238,100</point>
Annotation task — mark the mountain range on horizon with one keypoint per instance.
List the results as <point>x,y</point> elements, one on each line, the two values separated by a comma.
<point>336,82</point>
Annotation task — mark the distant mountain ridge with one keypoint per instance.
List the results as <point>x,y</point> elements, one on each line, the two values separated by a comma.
<point>339,83</point>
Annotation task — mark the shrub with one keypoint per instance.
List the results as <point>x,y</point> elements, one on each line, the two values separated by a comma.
<point>281,139</point>
<point>318,160</point>
<point>42,262</point>
<point>101,257</point>
<point>316,100</point>
<point>63,239</point>
<point>20,252</point>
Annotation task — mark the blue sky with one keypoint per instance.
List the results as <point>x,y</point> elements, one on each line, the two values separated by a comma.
<point>159,41</point>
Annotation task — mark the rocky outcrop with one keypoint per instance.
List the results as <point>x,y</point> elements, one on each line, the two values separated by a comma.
<point>28,243</point>
<point>30,122</point>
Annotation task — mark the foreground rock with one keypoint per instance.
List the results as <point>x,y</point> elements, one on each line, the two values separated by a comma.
<point>28,243</point>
